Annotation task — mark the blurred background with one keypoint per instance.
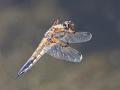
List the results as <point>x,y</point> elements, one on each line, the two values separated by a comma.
<point>22,25</point>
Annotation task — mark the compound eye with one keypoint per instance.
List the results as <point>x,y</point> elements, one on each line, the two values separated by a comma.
<point>64,24</point>
<point>69,25</point>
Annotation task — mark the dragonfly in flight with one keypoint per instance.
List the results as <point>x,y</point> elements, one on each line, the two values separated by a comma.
<point>56,43</point>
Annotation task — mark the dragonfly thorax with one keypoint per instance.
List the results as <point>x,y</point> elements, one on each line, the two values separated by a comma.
<point>55,31</point>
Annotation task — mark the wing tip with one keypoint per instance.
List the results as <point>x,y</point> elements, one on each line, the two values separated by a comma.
<point>81,57</point>
<point>78,60</point>
<point>90,36</point>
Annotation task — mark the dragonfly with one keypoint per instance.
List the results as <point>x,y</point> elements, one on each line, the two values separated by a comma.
<point>56,43</point>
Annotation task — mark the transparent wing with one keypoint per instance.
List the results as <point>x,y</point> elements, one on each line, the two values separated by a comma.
<point>65,53</point>
<point>77,37</point>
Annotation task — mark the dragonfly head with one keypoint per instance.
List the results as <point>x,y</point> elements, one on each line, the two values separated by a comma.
<point>68,25</point>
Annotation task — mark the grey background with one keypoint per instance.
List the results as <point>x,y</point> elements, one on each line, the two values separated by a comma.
<point>22,25</point>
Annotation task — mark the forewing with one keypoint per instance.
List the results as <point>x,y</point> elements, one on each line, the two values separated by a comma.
<point>65,53</point>
<point>77,37</point>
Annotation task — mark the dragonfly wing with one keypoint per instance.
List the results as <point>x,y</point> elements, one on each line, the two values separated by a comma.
<point>65,53</point>
<point>77,37</point>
